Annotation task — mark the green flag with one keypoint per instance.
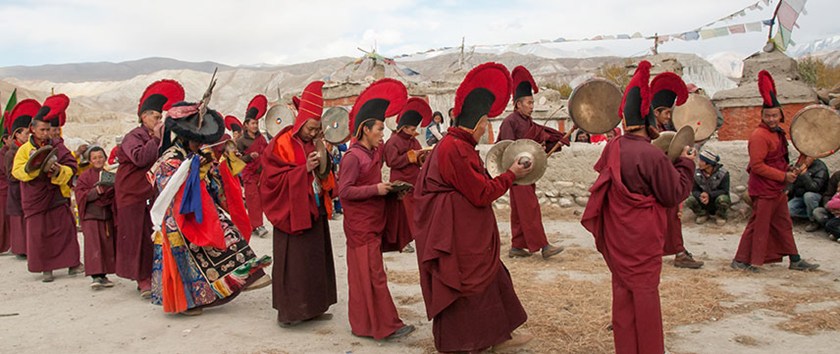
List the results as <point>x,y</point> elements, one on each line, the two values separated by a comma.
<point>11,104</point>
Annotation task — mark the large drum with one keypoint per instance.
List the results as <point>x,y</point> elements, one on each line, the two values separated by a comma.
<point>594,105</point>
<point>278,117</point>
<point>699,113</point>
<point>336,125</point>
<point>815,131</point>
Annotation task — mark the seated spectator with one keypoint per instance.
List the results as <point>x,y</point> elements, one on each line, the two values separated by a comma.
<point>832,215</point>
<point>807,191</point>
<point>710,195</point>
<point>823,215</point>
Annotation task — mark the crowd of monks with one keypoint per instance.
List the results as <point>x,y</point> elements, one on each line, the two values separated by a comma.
<point>191,187</point>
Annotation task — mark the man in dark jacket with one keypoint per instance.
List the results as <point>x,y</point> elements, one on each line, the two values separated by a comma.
<point>822,214</point>
<point>710,195</point>
<point>806,193</point>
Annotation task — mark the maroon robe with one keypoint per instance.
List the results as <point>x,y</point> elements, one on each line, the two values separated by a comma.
<point>52,242</point>
<point>97,220</point>
<point>303,285</point>
<point>5,236</point>
<point>467,289</point>
<point>372,311</point>
<point>17,226</point>
<point>134,198</point>
<point>399,213</point>
<point>526,227</point>
<point>251,176</point>
<point>626,215</point>
<point>673,231</point>
<point>769,233</point>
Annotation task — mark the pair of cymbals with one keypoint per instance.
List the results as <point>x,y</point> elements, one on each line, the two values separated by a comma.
<point>505,153</point>
<point>673,143</point>
<point>42,159</point>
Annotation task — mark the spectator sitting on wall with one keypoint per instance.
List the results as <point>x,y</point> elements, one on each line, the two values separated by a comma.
<point>806,192</point>
<point>710,195</point>
<point>822,215</point>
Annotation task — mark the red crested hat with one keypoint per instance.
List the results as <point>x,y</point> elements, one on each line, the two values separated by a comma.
<point>310,105</point>
<point>256,108</point>
<point>667,89</point>
<point>383,98</point>
<point>160,96</point>
<point>21,115</point>
<point>767,89</point>
<point>232,123</point>
<point>523,83</point>
<point>53,110</point>
<point>485,91</point>
<point>635,104</point>
<point>416,112</point>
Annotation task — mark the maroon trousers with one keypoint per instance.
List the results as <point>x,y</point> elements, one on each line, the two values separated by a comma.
<point>673,233</point>
<point>134,245</point>
<point>477,322</point>
<point>17,234</point>
<point>636,310</point>
<point>526,227</point>
<point>769,233</point>
<point>100,247</point>
<point>253,203</point>
<point>371,311</point>
<point>5,234</point>
<point>52,241</point>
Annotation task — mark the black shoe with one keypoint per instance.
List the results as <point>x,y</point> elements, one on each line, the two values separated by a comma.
<point>803,265</point>
<point>739,266</point>
<point>812,226</point>
<point>402,332</point>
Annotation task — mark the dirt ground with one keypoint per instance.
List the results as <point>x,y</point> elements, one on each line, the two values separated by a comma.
<point>712,310</point>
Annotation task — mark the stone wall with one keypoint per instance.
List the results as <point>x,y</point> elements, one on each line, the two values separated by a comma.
<point>570,174</point>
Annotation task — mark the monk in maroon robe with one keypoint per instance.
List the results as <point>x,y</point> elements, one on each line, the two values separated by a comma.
<point>45,198</point>
<point>372,312</point>
<point>96,217</point>
<point>5,236</point>
<point>251,145</point>
<point>667,91</point>
<point>636,182</point>
<point>404,155</point>
<point>134,193</point>
<point>526,227</point>
<point>467,290</point>
<point>769,234</point>
<point>303,286</point>
<point>17,123</point>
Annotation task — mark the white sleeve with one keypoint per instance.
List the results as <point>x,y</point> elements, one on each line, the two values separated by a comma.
<point>168,194</point>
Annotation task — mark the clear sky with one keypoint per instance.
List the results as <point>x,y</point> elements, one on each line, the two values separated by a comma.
<point>285,32</point>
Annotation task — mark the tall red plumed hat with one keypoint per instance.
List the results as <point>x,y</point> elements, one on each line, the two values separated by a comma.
<point>256,108</point>
<point>21,115</point>
<point>160,96</point>
<point>767,89</point>
<point>667,89</point>
<point>233,124</point>
<point>53,110</point>
<point>523,83</point>
<point>485,91</point>
<point>383,98</point>
<point>416,112</point>
<point>635,105</point>
<point>310,104</point>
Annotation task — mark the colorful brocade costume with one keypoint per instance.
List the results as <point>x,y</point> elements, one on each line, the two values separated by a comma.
<point>199,260</point>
